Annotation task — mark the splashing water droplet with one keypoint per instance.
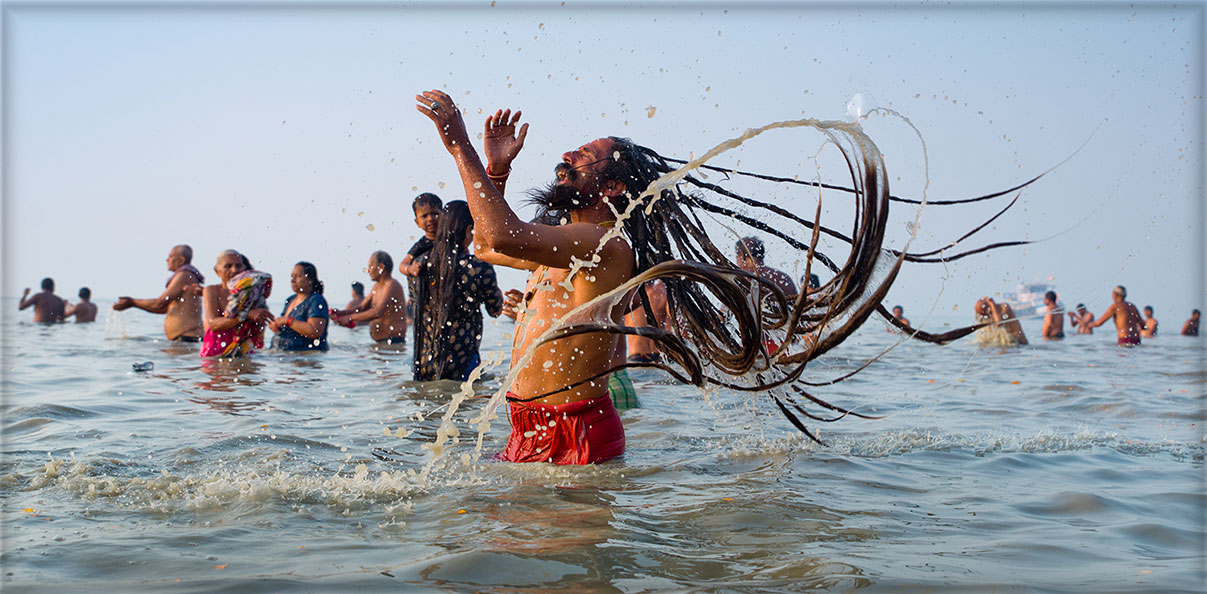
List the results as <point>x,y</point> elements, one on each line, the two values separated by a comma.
<point>860,105</point>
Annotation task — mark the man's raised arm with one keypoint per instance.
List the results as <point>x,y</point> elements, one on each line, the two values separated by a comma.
<point>1107,315</point>
<point>159,305</point>
<point>496,225</point>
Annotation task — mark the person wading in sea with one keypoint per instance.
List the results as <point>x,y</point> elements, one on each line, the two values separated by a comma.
<point>610,229</point>
<point>1128,322</point>
<point>181,308</point>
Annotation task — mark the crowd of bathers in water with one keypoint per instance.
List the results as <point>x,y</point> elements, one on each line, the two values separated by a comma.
<point>608,215</point>
<point>230,318</point>
<point>1003,327</point>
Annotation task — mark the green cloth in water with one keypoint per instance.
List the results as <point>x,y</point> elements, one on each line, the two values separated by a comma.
<point>620,388</point>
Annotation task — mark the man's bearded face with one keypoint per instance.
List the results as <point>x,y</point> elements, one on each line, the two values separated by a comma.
<point>571,190</point>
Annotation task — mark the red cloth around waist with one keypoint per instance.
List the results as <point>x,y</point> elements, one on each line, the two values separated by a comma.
<point>583,432</point>
<point>1129,340</point>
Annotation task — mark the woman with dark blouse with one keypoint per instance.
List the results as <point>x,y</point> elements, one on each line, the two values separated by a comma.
<point>452,287</point>
<point>303,323</point>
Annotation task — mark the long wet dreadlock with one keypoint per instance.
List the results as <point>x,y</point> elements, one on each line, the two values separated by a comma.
<point>729,327</point>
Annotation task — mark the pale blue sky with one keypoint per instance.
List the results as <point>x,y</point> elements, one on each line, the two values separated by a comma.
<point>272,128</point>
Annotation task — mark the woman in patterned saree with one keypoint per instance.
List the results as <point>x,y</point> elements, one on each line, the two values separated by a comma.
<point>236,309</point>
<point>452,287</point>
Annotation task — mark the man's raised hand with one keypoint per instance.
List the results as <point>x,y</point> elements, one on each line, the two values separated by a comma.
<point>502,143</point>
<point>439,108</point>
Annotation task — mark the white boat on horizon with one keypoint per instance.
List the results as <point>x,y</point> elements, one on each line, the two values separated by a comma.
<point>1028,298</point>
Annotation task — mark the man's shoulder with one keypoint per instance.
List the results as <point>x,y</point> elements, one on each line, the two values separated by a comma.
<point>184,276</point>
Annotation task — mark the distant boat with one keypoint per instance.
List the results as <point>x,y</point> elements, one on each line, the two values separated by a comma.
<point>1028,299</point>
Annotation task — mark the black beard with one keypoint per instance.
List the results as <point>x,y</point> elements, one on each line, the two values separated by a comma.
<point>554,200</point>
<point>564,171</point>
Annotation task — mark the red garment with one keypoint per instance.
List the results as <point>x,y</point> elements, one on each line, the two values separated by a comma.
<point>583,432</point>
<point>1128,341</point>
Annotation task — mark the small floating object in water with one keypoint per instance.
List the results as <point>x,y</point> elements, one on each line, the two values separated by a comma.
<point>145,366</point>
<point>1016,382</point>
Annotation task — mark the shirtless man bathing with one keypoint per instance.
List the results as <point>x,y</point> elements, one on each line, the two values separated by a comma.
<point>180,307</point>
<point>84,311</point>
<point>550,421</point>
<point>1128,322</point>
<point>1054,321</point>
<point>385,307</point>
<point>48,307</point>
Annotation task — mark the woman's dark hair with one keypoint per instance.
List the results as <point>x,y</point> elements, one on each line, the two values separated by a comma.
<point>438,282</point>
<point>312,273</point>
<point>358,288</point>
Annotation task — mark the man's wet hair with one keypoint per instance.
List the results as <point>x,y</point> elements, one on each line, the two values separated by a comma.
<point>752,247</point>
<point>186,252</point>
<point>1121,291</point>
<point>426,199</point>
<point>1050,295</point>
<point>358,288</point>
<point>85,293</point>
<point>719,333</point>
<point>384,259</point>
<point>1080,306</point>
<point>1148,308</point>
<point>814,282</point>
<point>896,307</point>
<point>48,284</point>
<point>1194,312</point>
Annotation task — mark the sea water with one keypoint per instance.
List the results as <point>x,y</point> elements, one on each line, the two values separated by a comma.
<point>1061,466</point>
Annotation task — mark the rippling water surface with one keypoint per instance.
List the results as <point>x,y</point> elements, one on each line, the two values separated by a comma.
<point>1073,466</point>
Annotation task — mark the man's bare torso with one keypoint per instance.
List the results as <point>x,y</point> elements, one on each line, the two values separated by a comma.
<point>564,362</point>
<point>184,315</point>
<point>1083,324</point>
<point>84,312</point>
<point>392,324</point>
<point>1054,323</point>
<point>1128,321</point>
<point>48,308</point>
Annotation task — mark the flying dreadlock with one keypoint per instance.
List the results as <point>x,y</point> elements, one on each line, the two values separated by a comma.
<point>729,327</point>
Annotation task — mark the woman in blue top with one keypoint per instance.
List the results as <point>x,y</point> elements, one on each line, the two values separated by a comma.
<point>303,324</point>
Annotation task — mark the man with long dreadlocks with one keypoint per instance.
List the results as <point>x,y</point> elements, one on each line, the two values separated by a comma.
<point>555,417</point>
<point>620,215</point>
